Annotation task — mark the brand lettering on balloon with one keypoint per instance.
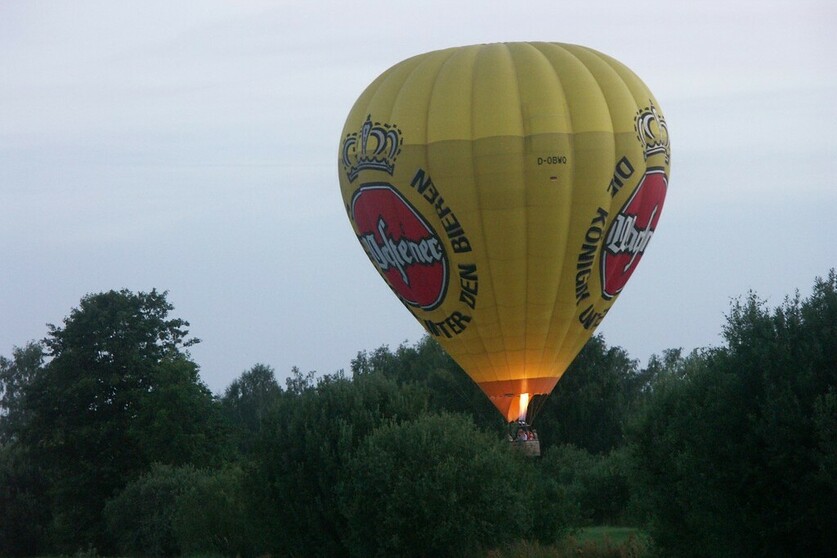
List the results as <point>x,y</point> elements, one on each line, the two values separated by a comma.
<point>469,284</point>
<point>401,244</point>
<point>587,254</point>
<point>424,186</point>
<point>398,237</point>
<point>457,321</point>
<point>590,317</point>
<point>403,253</point>
<point>623,171</point>
<point>625,237</point>
<point>374,147</point>
<point>630,232</point>
<point>452,325</point>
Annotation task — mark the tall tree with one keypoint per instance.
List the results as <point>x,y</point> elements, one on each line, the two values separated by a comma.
<point>592,401</point>
<point>735,455</point>
<point>435,486</point>
<point>247,401</point>
<point>427,364</point>
<point>305,444</point>
<point>26,364</point>
<point>119,393</point>
<point>23,497</point>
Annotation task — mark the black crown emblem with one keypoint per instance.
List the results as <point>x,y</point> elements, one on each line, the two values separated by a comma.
<point>652,132</point>
<point>375,147</point>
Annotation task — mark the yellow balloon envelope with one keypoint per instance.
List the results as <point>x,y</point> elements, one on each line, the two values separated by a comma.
<point>506,193</point>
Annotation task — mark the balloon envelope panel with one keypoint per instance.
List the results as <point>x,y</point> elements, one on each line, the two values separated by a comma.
<point>506,193</point>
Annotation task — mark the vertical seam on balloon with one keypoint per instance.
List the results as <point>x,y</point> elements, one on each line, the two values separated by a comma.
<point>572,197</point>
<point>553,364</point>
<point>572,341</point>
<point>476,196</point>
<point>535,369</point>
<point>607,106</point>
<point>482,218</point>
<point>550,362</point>
<point>507,48</point>
<point>525,227</point>
<point>569,340</point>
<point>395,100</point>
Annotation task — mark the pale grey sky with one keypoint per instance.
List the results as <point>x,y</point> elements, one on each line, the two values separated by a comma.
<point>192,147</point>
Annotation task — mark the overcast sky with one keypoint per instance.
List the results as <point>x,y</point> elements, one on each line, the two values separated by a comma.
<point>192,147</point>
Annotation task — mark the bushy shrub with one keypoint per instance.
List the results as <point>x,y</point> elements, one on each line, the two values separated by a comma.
<point>181,510</point>
<point>213,515</point>
<point>597,486</point>
<point>307,440</point>
<point>140,519</point>
<point>435,486</point>
<point>734,457</point>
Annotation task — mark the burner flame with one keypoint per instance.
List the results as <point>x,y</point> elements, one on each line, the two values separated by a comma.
<point>524,404</point>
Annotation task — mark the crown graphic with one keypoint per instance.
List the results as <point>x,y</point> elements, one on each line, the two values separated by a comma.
<point>652,132</point>
<point>375,147</point>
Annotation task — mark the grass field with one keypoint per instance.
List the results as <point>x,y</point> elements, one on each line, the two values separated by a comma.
<point>608,535</point>
<point>590,542</point>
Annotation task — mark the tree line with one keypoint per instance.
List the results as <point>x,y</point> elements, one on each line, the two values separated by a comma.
<point>111,444</point>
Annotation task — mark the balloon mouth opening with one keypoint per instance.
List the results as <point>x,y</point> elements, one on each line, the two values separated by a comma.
<point>524,406</point>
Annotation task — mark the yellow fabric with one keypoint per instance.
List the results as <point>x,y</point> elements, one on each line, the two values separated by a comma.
<point>516,145</point>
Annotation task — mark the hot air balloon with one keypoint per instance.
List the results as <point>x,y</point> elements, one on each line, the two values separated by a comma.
<point>506,193</point>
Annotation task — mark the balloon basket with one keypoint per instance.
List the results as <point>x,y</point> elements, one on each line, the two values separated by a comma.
<point>529,448</point>
<point>523,439</point>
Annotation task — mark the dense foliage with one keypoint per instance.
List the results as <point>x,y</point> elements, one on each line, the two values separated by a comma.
<point>592,401</point>
<point>735,450</point>
<point>110,442</point>
<point>455,486</point>
<point>117,394</point>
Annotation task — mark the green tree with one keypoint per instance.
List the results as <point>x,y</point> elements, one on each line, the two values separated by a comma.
<point>26,364</point>
<point>305,444</point>
<point>435,486</point>
<point>732,454</point>
<point>23,491</point>
<point>825,421</point>
<point>216,515</point>
<point>247,401</point>
<point>24,512</point>
<point>141,518</point>
<point>119,393</point>
<point>427,364</point>
<point>596,485</point>
<point>173,511</point>
<point>593,400</point>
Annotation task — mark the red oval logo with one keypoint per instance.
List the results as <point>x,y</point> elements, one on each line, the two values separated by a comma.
<point>631,231</point>
<point>401,244</point>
